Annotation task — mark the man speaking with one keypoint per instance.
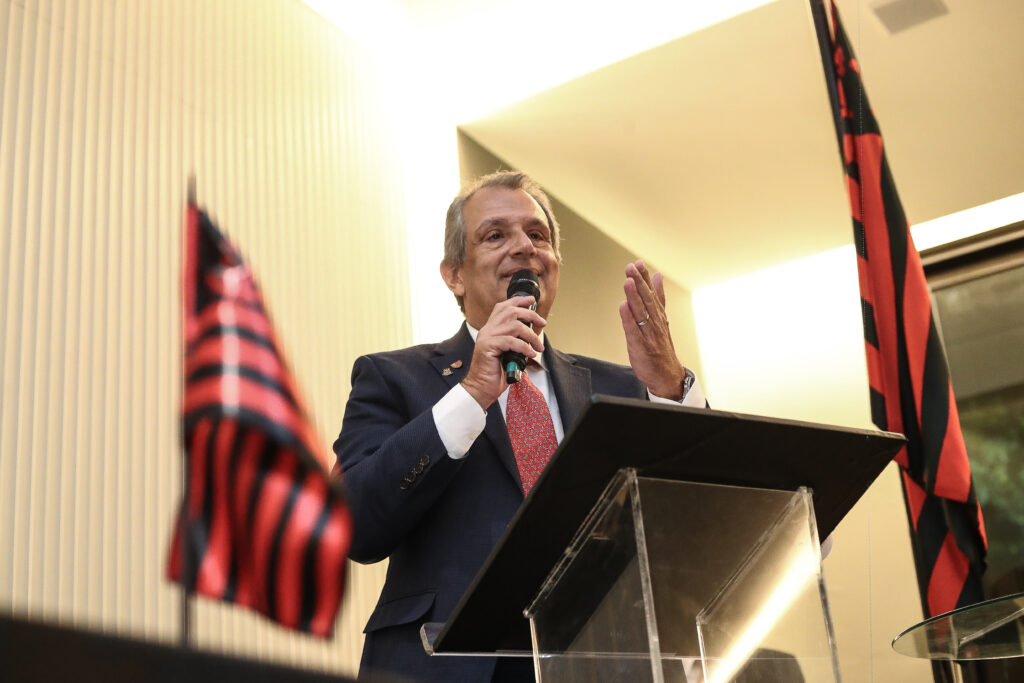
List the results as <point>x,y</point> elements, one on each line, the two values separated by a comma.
<point>438,450</point>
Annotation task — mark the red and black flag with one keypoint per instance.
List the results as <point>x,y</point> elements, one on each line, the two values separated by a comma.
<point>909,380</point>
<point>261,525</point>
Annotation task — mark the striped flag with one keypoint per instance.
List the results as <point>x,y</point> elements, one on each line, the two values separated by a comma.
<point>261,525</point>
<point>909,381</point>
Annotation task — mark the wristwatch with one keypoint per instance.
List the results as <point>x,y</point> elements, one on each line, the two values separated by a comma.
<point>688,381</point>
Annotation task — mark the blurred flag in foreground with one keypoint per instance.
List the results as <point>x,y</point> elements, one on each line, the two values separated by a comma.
<point>261,524</point>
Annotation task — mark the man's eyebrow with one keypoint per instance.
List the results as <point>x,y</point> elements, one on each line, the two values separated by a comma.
<point>491,222</point>
<point>502,221</point>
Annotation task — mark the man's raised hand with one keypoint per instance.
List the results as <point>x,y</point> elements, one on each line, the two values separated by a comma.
<point>648,340</point>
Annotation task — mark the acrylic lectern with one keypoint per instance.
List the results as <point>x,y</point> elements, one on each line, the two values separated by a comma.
<point>670,544</point>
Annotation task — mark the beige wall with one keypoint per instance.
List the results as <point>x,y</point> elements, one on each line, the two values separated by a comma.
<point>585,318</point>
<point>107,107</point>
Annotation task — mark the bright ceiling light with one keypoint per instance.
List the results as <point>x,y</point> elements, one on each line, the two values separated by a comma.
<point>372,23</point>
<point>482,56</point>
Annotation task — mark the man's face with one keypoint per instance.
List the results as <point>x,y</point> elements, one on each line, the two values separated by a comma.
<point>506,231</point>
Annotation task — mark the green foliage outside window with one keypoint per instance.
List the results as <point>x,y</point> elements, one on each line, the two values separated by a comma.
<point>993,428</point>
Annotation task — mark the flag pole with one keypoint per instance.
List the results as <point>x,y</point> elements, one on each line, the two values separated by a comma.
<point>820,18</point>
<point>186,572</point>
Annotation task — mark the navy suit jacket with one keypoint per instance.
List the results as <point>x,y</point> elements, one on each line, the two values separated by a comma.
<point>435,517</point>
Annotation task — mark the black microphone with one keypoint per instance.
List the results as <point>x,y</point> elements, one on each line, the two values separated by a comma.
<point>523,283</point>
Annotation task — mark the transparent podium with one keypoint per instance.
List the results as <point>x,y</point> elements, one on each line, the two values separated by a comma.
<point>671,544</point>
<point>679,581</point>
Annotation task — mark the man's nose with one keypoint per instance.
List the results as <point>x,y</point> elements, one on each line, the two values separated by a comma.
<point>522,244</point>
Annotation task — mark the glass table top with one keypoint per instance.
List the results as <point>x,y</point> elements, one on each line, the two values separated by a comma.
<point>993,629</point>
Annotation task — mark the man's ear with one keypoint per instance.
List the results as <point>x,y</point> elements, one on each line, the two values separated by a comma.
<point>452,276</point>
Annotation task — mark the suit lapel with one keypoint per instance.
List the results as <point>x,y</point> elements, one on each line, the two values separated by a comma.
<point>452,356</point>
<point>458,351</point>
<point>571,384</point>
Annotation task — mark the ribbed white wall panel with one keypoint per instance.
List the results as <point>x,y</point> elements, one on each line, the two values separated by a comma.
<point>107,107</point>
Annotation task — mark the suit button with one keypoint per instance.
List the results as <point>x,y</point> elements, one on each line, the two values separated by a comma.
<point>418,469</point>
<point>424,461</point>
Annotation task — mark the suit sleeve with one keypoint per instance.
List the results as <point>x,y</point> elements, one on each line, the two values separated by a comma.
<point>391,459</point>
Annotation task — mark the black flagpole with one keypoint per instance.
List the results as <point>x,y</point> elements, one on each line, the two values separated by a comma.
<point>821,30</point>
<point>186,571</point>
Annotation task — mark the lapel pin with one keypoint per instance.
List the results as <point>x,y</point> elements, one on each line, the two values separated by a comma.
<point>446,372</point>
<point>457,364</point>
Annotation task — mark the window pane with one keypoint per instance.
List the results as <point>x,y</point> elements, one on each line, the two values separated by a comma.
<point>982,324</point>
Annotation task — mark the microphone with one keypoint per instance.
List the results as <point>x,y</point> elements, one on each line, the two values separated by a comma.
<point>523,283</point>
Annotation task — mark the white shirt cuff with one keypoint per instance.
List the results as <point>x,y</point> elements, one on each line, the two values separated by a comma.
<point>459,421</point>
<point>694,398</point>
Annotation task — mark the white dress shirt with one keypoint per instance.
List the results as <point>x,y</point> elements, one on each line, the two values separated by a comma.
<point>460,420</point>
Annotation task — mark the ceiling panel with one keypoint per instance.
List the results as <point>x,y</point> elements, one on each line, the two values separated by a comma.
<point>714,154</point>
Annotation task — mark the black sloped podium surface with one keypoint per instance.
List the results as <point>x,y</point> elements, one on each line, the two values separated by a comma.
<point>667,442</point>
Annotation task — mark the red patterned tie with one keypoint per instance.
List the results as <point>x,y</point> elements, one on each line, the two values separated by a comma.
<point>529,429</point>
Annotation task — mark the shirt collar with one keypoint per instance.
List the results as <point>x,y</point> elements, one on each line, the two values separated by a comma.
<point>473,332</point>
